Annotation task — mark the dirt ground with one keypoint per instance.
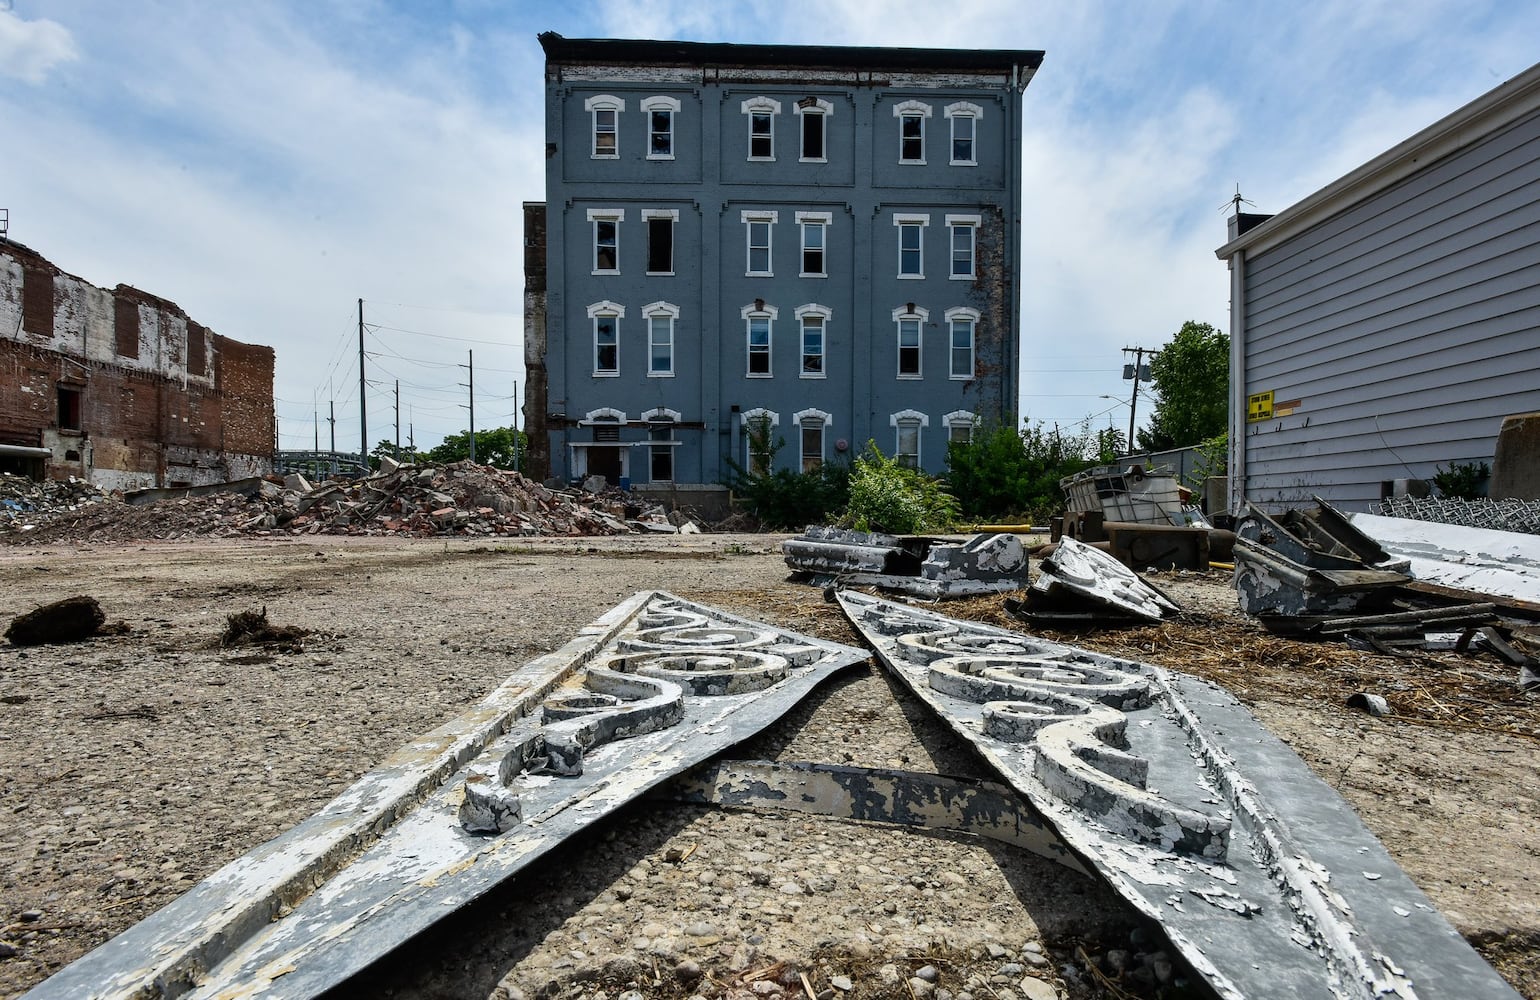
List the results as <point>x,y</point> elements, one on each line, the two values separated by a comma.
<point>133,765</point>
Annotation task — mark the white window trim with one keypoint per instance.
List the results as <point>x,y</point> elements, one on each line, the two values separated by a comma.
<point>812,412</point>
<point>649,214</point>
<point>651,311</point>
<point>661,102</point>
<point>604,415</point>
<point>752,215</point>
<point>826,220</point>
<point>907,109</point>
<point>663,413</point>
<point>819,107</point>
<point>910,417</point>
<point>827,314</point>
<point>899,315</point>
<point>901,220</point>
<point>962,312</point>
<point>763,105</point>
<point>596,216</point>
<point>964,109</point>
<point>960,418</point>
<point>768,312</point>
<point>597,103</point>
<point>618,312</point>
<point>972,222</point>
<point>755,414</point>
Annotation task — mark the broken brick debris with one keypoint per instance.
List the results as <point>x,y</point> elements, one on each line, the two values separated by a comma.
<point>460,498</point>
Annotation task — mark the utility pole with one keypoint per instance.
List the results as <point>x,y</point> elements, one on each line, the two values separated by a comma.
<point>315,415</point>
<point>332,403</point>
<point>363,406</point>
<point>1139,372</point>
<point>470,386</point>
<point>398,418</point>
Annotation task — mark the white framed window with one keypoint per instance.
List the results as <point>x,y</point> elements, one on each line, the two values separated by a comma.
<point>911,117</point>
<point>660,318</point>
<point>758,227</point>
<point>761,113</point>
<point>606,318</point>
<point>606,226</point>
<point>813,321</point>
<point>660,239</point>
<point>812,425</point>
<point>660,423</point>
<point>964,117</point>
<point>907,425</point>
<point>605,111</point>
<point>959,426</point>
<point>815,236</point>
<point>911,245</point>
<point>963,236</point>
<point>660,113</point>
<point>910,320</point>
<point>757,429</point>
<point>962,325</point>
<point>759,328</point>
<point>815,112</point>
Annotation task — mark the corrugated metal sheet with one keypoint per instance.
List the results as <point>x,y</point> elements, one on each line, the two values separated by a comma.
<point>1406,327</point>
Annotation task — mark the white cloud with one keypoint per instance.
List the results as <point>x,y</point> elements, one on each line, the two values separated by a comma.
<point>30,49</point>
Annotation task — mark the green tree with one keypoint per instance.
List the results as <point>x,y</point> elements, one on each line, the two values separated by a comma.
<point>500,447</point>
<point>404,454</point>
<point>1191,389</point>
<point>888,496</point>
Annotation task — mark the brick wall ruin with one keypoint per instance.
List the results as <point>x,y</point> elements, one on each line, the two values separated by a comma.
<point>120,388</point>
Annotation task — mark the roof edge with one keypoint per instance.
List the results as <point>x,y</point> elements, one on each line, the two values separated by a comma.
<point>559,48</point>
<point>1499,106</point>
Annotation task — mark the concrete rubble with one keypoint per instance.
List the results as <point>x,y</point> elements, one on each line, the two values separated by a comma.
<point>925,567</point>
<point>460,498</point>
<point>1079,584</point>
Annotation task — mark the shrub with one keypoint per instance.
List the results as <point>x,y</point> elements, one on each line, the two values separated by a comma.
<point>785,500</point>
<point>1463,481</point>
<point>886,495</point>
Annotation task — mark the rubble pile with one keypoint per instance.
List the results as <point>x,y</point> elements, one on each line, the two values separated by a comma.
<point>1484,512</point>
<point>23,499</point>
<point>461,498</point>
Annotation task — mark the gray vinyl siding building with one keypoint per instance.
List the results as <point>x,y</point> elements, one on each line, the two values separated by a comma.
<point>1393,316</point>
<point>818,242</point>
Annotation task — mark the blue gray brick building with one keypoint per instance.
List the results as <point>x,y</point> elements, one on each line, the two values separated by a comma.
<point>814,245</point>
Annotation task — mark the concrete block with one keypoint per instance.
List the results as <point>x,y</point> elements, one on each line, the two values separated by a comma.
<point>296,482</point>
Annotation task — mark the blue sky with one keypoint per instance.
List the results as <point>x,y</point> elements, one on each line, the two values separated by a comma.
<point>267,164</point>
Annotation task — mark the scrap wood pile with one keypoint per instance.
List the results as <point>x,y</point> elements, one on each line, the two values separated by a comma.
<point>461,498</point>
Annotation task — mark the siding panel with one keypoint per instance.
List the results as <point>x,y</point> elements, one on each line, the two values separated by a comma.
<point>1407,326</point>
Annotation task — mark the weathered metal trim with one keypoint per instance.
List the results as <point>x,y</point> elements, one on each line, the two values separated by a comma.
<point>1497,564</point>
<point>877,795</point>
<point>394,853</point>
<point>1339,919</point>
<point>1079,573</point>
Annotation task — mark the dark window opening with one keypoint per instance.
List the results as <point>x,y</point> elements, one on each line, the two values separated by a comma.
<point>662,464</point>
<point>606,245</point>
<point>69,409</point>
<point>912,138</point>
<point>197,356</point>
<point>812,135</point>
<point>660,246</point>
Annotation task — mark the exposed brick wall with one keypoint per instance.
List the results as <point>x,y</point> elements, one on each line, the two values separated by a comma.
<point>149,420</point>
<point>37,300</point>
<point>243,377</point>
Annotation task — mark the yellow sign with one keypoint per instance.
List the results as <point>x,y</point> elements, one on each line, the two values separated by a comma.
<point>1259,406</point>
